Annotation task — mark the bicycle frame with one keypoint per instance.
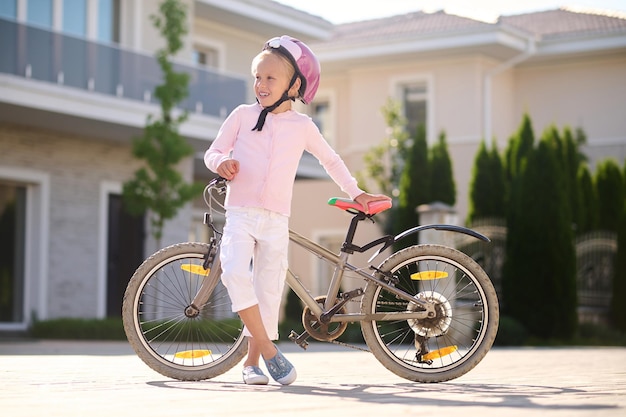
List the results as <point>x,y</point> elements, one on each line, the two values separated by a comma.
<point>342,265</point>
<point>428,313</point>
<point>332,304</point>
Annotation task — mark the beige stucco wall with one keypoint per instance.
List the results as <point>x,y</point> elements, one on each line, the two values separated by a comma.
<point>455,106</point>
<point>587,93</point>
<point>577,93</point>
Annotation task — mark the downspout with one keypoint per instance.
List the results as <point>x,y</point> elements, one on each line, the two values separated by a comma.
<point>531,49</point>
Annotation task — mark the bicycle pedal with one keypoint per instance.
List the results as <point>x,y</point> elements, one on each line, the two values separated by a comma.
<point>299,339</point>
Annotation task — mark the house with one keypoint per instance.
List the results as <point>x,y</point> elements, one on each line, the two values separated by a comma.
<point>76,86</point>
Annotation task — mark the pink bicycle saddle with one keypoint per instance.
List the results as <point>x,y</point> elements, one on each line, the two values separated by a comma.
<point>351,205</point>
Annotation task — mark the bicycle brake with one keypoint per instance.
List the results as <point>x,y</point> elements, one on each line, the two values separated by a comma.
<point>210,256</point>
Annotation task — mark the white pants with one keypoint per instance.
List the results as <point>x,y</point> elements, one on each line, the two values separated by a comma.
<point>254,262</point>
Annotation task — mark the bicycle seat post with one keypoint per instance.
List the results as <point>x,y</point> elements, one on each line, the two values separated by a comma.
<point>348,246</point>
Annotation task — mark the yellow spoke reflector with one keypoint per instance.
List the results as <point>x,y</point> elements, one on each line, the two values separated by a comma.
<point>436,354</point>
<point>195,269</point>
<point>192,354</point>
<point>426,275</point>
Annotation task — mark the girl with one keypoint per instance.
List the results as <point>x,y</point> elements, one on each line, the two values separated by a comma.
<point>258,149</point>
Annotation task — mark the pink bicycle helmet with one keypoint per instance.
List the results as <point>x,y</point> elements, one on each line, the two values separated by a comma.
<point>303,60</point>
<point>306,66</point>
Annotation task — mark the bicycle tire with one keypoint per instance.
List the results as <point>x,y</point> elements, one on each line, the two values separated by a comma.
<point>457,339</point>
<point>162,335</point>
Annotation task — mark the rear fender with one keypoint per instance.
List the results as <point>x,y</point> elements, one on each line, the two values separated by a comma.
<point>443,227</point>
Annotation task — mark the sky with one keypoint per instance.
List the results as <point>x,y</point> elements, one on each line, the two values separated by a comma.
<point>342,11</point>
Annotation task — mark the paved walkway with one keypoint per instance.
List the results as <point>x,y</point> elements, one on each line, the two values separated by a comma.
<point>105,379</point>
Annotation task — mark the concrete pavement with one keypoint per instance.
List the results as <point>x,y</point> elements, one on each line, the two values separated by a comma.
<point>98,379</point>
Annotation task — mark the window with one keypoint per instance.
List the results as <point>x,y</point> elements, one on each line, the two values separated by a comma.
<point>321,113</point>
<point>75,17</point>
<point>414,104</point>
<point>8,8</point>
<point>109,21</point>
<point>39,12</point>
<point>206,56</point>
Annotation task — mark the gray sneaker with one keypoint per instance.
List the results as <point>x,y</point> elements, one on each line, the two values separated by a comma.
<point>281,369</point>
<point>253,375</point>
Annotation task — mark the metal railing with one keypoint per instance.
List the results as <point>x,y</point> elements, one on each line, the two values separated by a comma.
<point>595,264</point>
<point>43,55</point>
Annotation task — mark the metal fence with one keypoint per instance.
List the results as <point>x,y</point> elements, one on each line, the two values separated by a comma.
<point>490,255</point>
<point>595,264</point>
<point>595,271</point>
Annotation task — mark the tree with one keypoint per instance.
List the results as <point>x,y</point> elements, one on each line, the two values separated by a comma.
<point>487,187</point>
<point>610,188</point>
<point>384,163</point>
<point>587,202</point>
<point>617,311</point>
<point>158,187</point>
<point>539,280</point>
<point>573,159</point>
<point>414,187</point>
<point>402,167</point>
<point>442,187</point>
<point>520,145</point>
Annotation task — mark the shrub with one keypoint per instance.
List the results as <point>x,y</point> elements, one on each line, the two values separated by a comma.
<point>79,329</point>
<point>510,332</point>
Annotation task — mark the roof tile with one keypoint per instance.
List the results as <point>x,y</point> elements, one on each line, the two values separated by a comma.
<point>549,24</point>
<point>565,23</point>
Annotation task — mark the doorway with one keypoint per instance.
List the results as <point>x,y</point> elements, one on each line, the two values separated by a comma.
<point>12,251</point>
<point>125,251</point>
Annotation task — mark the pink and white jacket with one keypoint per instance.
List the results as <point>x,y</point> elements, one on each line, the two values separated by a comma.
<point>268,159</point>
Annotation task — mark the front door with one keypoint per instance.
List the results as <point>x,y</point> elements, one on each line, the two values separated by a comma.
<point>12,246</point>
<point>125,252</point>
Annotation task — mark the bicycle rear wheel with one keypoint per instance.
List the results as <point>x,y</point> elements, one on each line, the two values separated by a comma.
<point>170,337</point>
<point>442,347</point>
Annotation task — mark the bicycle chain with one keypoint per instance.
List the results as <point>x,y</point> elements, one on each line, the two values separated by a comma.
<point>337,342</point>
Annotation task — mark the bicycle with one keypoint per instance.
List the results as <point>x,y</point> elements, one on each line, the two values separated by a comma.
<point>428,313</point>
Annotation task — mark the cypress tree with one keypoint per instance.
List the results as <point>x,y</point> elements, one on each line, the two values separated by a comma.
<point>610,188</point>
<point>539,283</point>
<point>587,202</point>
<point>520,145</point>
<point>487,186</point>
<point>571,159</point>
<point>442,187</point>
<point>617,312</point>
<point>479,184</point>
<point>413,187</point>
<point>499,186</point>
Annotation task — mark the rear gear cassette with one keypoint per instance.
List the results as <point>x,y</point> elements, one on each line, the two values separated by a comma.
<point>432,326</point>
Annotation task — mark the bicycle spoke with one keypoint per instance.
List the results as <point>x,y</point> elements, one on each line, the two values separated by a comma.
<point>432,348</point>
<point>171,335</point>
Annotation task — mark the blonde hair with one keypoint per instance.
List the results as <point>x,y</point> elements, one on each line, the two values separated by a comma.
<point>288,65</point>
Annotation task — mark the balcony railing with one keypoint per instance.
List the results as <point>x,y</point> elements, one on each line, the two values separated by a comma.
<point>43,55</point>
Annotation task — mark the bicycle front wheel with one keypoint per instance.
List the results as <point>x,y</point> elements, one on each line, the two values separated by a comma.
<point>172,336</point>
<point>451,342</point>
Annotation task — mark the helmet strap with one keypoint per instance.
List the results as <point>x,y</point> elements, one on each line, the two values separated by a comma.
<point>261,121</point>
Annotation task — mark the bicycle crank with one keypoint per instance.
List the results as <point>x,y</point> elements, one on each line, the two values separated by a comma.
<point>318,330</point>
